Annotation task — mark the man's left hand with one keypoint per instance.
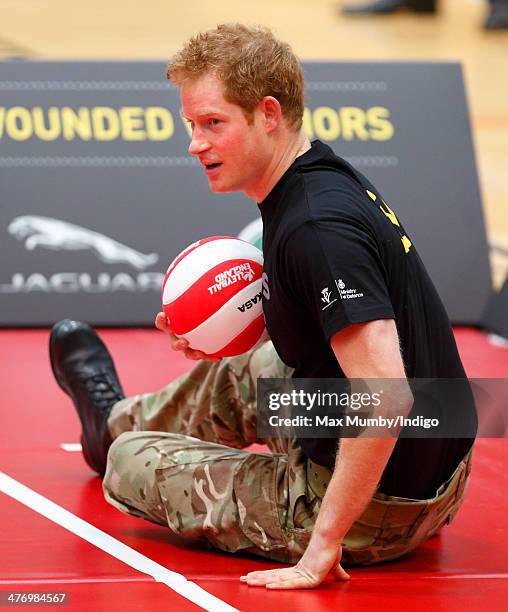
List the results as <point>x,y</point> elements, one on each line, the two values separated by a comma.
<point>300,576</point>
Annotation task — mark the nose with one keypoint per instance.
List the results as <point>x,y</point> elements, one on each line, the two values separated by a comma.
<point>198,143</point>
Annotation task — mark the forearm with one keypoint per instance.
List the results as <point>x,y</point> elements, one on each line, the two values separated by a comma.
<point>358,470</point>
<point>368,351</point>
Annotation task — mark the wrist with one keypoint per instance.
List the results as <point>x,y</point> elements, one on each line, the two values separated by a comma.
<point>322,544</point>
<point>328,535</point>
<point>320,557</point>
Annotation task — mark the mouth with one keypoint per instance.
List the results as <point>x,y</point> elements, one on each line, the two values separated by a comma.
<point>212,167</point>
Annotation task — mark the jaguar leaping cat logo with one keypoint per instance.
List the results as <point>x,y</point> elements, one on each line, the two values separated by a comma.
<point>59,235</point>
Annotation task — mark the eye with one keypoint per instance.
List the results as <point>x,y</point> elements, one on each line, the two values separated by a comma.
<point>214,122</point>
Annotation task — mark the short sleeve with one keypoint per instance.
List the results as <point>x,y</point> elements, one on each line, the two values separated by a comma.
<point>335,268</point>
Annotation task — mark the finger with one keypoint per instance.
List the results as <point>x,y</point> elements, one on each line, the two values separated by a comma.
<point>260,578</point>
<point>259,573</point>
<point>163,325</point>
<point>161,321</point>
<point>196,355</point>
<point>179,344</point>
<point>192,354</point>
<point>294,582</point>
<point>340,573</point>
<point>257,580</point>
<point>280,586</point>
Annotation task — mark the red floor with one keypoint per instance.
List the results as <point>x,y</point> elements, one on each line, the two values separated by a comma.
<point>463,569</point>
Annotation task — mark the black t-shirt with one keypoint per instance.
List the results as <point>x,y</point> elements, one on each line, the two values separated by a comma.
<point>335,254</point>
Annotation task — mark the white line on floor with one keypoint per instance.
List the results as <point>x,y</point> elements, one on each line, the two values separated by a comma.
<point>71,447</point>
<point>110,545</point>
<point>499,341</point>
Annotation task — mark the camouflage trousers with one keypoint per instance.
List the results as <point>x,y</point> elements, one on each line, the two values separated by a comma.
<point>177,461</point>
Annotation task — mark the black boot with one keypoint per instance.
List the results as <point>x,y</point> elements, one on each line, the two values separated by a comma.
<point>84,369</point>
<point>383,7</point>
<point>497,19</point>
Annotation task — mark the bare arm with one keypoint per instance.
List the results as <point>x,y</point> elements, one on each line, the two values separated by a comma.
<point>367,350</point>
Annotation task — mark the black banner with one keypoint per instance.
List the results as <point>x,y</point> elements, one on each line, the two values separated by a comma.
<point>99,193</point>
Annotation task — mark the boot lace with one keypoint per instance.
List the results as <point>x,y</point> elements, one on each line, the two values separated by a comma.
<point>104,389</point>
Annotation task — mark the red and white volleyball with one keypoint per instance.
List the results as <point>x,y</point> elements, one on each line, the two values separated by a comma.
<point>212,296</point>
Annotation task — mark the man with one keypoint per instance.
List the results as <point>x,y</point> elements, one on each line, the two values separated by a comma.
<point>175,459</point>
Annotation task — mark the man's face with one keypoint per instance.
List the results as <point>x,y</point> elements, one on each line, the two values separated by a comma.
<point>233,153</point>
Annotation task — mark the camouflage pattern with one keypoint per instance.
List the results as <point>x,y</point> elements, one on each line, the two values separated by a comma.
<point>391,526</point>
<point>215,402</point>
<point>230,498</point>
<point>177,461</point>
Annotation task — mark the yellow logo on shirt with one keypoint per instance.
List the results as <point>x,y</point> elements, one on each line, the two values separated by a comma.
<point>388,212</point>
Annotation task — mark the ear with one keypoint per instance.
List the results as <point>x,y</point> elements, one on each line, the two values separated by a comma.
<point>271,113</point>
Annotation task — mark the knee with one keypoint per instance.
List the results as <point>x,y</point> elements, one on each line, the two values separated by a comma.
<point>117,460</point>
<point>130,482</point>
<point>132,457</point>
<point>120,447</point>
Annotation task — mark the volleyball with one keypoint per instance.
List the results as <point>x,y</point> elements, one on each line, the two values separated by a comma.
<point>212,296</point>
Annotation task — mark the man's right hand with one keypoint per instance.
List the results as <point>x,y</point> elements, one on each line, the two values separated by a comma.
<point>180,344</point>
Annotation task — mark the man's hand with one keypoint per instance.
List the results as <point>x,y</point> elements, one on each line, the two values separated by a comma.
<point>308,573</point>
<point>180,344</point>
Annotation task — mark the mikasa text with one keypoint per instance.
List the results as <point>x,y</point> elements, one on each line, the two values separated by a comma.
<point>250,303</point>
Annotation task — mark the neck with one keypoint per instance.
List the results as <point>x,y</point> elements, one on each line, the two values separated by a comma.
<point>284,155</point>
